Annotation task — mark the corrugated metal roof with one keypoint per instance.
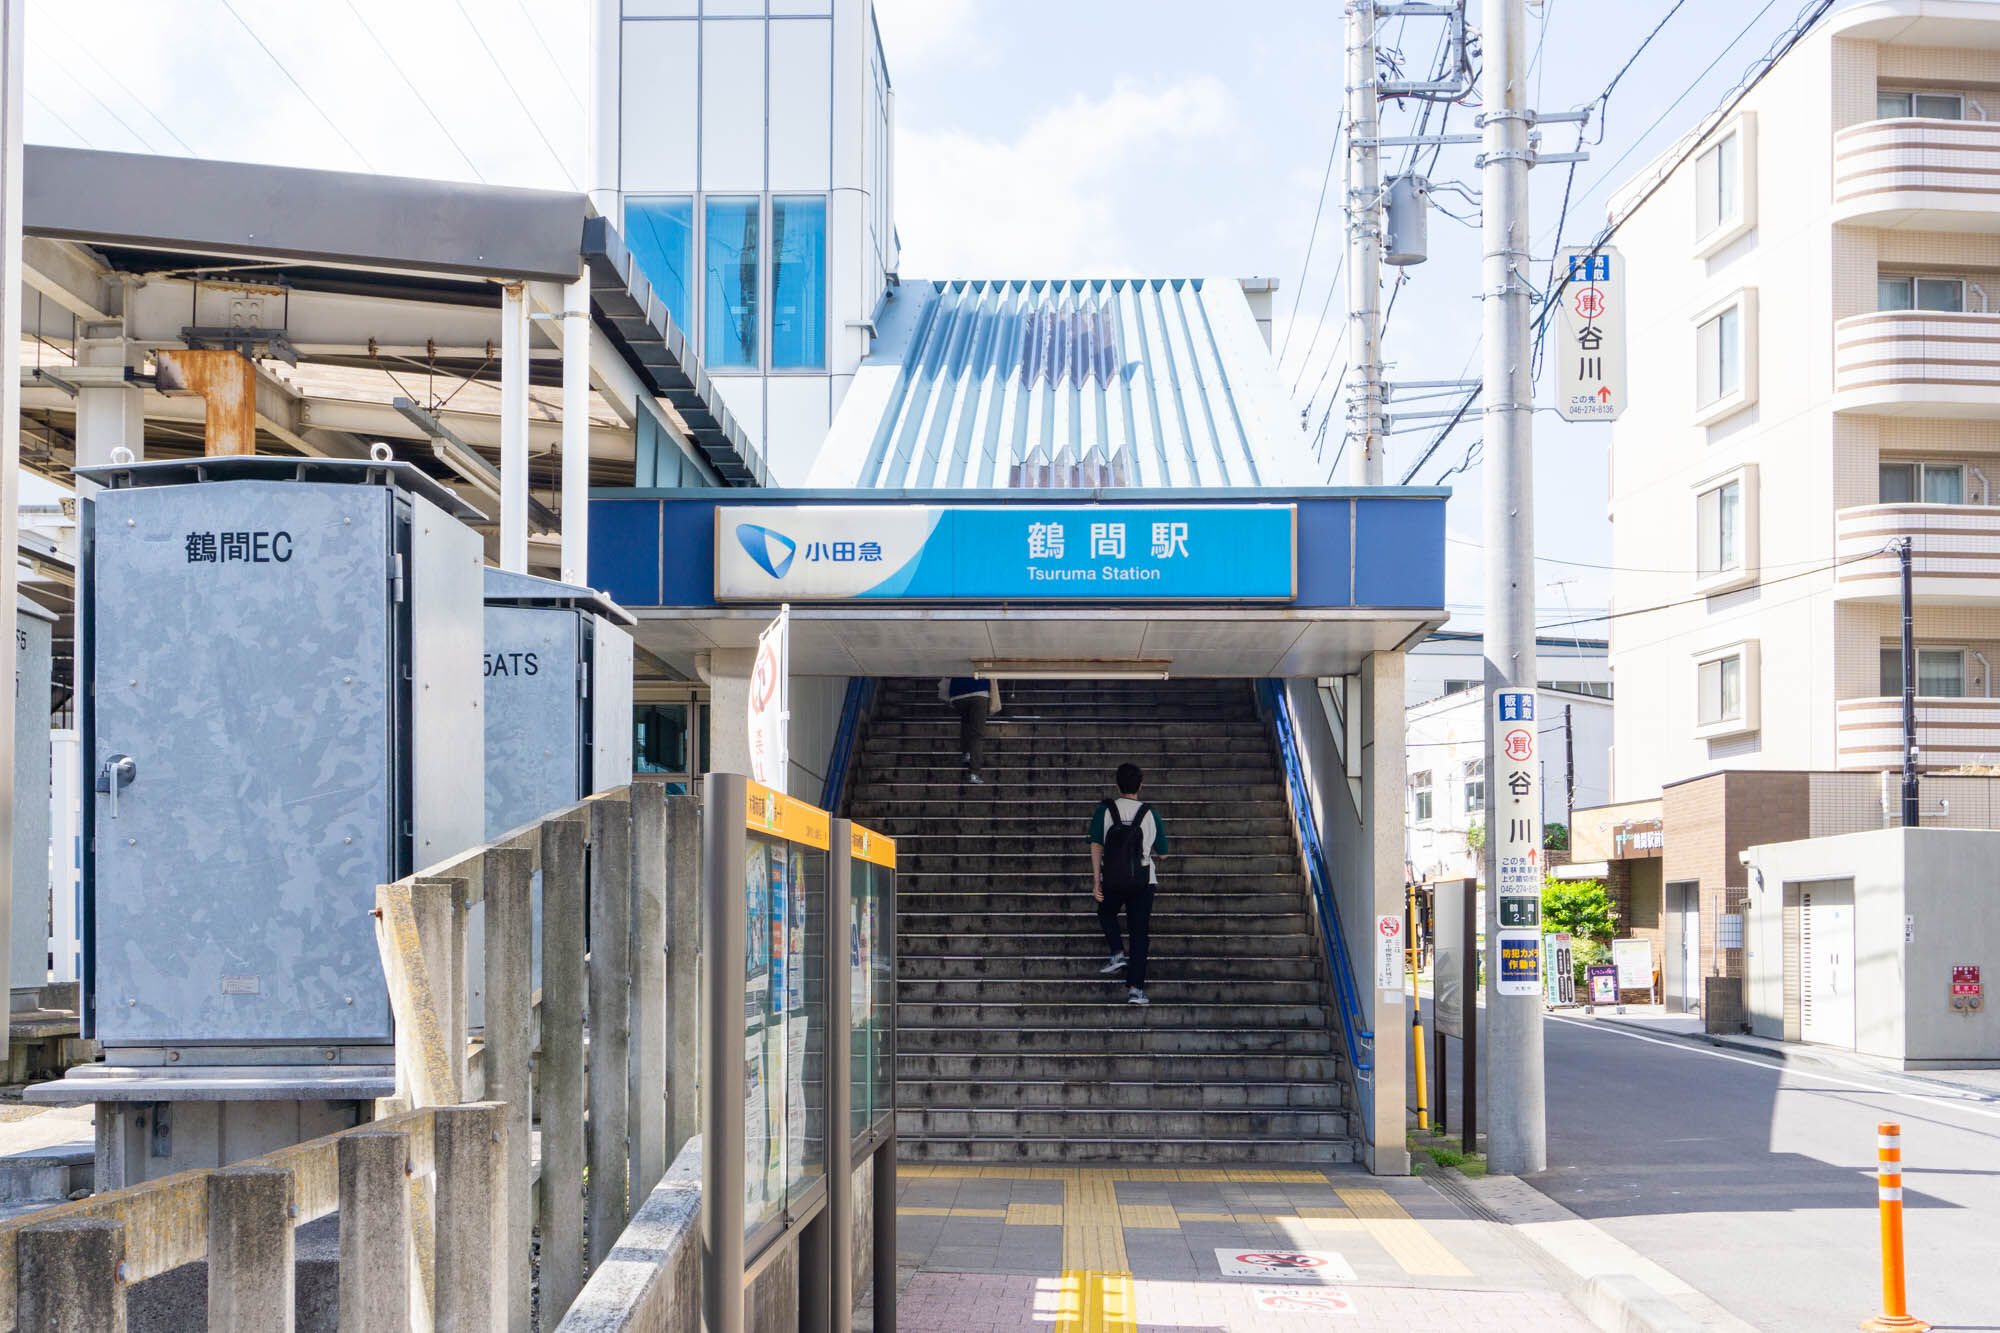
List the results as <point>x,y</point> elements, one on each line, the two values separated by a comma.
<point>1107,382</point>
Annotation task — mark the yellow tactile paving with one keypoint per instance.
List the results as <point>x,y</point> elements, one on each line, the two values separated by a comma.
<point>1206,1217</point>
<point>1096,1302</point>
<point>1034,1214</point>
<point>1405,1238</point>
<point>1149,1216</point>
<point>1093,1239</point>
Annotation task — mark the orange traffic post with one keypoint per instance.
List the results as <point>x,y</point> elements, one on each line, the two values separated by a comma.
<point>1889,1194</point>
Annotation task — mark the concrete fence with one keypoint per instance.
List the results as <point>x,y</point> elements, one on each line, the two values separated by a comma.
<point>439,1199</point>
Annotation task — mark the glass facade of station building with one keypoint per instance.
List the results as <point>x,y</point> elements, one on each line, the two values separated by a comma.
<point>753,171</point>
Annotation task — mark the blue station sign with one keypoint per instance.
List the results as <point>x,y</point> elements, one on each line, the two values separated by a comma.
<point>1014,553</point>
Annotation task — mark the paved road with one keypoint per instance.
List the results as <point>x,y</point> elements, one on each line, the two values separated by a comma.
<point>1754,1182</point>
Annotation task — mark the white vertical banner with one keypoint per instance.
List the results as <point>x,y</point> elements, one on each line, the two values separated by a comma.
<point>770,703</point>
<point>1517,840</point>
<point>1589,342</point>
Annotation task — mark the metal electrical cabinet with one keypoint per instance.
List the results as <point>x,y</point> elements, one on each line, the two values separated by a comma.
<point>558,697</point>
<point>282,666</point>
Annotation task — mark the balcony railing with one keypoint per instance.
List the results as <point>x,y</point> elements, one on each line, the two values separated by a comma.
<point>1922,174</point>
<point>1917,363</point>
<point>1950,733</point>
<point>1955,553</point>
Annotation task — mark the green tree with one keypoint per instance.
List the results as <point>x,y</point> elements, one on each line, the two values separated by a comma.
<point>1475,837</point>
<point>1581,907</point>
<point>1555,837</point>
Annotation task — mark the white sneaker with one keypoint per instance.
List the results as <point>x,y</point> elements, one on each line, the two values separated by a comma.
<point>1134,995</point>
<point>976,780</point>
<point>1117,962</point>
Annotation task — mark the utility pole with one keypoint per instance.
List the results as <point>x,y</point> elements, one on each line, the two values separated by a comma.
<point>1911,816</point>
<point>1569,771</point>
<point>1364,249</point>
<point>1517,1128</point>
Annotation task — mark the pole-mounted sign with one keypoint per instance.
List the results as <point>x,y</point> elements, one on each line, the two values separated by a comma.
<point>1517,841</point>
<point>770,703</point>
<point>1589,347</point>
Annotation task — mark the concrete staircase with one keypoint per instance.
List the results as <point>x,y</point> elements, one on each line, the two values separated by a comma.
<point>1012,1047</point>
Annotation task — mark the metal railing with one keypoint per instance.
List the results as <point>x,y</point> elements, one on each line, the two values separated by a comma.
<point>1353,1019</point>
<point>855,711</point>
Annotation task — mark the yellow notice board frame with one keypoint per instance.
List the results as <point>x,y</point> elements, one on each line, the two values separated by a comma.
<point>782,816</point>
<point>867,845</point>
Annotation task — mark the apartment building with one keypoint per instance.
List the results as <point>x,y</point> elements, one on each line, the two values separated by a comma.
<point>1815,353</point>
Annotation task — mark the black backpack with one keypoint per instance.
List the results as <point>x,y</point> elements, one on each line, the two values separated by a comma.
<point>1125,850</point>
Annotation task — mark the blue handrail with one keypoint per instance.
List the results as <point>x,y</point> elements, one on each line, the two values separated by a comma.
<point>1360,1037</point>
<point>860,702</point>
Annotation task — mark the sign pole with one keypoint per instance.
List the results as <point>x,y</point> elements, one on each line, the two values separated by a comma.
<point>1517,1140</point>
<point>1468,1042</point>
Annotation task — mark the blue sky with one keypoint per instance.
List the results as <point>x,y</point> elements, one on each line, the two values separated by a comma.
<point>1035,138</point>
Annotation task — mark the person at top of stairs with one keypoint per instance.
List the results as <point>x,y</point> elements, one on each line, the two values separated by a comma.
<point>1126,841</point>
<point>974,700</point>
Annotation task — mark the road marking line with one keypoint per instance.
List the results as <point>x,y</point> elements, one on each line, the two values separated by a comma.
<point>951,1212</point>
<point>1952,1103</point>
<point>1034,1214</point>
<point>1207,1217</point>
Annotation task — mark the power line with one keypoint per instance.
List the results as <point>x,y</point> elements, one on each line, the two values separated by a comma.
<point>554,64</point>
<point>390,56</point>
<point>1629,569</point>
<point>331,124</point>
<point>1703,597</point>
<point>57,116</point>
<point>144,142</point>
<point>518,100</point>
<point>1312,236</point>
<point>127,90</point>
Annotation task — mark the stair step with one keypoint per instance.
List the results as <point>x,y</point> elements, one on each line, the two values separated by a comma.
<point>1166,1068</point>
<point>1162,986</point>
<point>1122,1095</point>
<point>1168,923</point>
<point>1010,969</point>
<point>1122,1152</point>
<point>1142,1125</point>
<point>1082,942</point>
<point>916,1035</point>
<point>1107,1009</point>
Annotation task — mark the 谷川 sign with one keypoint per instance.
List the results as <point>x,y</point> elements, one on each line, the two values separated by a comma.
<point>1046,553</point>
<point>1589,338</point>
<point>1517,839</point>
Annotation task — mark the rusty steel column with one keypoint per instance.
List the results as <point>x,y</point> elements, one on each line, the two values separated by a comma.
<point>227,382</point>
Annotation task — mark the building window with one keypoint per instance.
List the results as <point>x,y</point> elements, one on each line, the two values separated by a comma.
<point>798,283</point>
<point>1719,345</point>
<point>1475,786</point>
<point>1719,523</point>
<point>730,306</point>
<point>1721,691</point>
<point>1420,795</point>
<point>1596,689</point>
<point>660,235</point>
<point>1459,686</point>
<point>1922,483</point>
<point>1920,293</point>
<point>1940,673</point>
<point>1718,184</point>
<point>1726,690</point>
<point>1725,186</point>
<point>1929,106</point>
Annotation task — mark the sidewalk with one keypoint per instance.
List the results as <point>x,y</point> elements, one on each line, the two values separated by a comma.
<point>1269,1250</point>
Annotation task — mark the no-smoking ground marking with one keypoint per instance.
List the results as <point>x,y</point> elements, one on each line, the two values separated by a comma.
<point>1319,1266</point>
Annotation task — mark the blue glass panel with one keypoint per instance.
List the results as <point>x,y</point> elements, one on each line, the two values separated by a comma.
<point>660,235</point>
<point>798,284</point>
<point>730,314</point>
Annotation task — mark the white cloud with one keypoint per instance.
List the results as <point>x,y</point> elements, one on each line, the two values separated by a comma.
<point>1048,202</point>
<point>915,31</point>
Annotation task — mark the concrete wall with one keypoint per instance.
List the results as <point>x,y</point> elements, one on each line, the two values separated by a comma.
<point>1942,881</point>
<point>816,705</point>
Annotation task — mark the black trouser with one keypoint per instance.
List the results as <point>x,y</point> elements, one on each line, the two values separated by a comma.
<point>1138,908</point>
<point>972,709</point>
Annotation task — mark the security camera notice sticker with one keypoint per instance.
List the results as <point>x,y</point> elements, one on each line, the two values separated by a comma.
<point>1303,1300</point>
<point>1285,1265</point>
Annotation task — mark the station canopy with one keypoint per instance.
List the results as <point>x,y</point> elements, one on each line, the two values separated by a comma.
<point>1045,477</point>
